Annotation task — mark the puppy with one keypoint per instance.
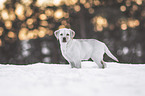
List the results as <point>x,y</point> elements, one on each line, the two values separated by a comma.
<point>75,50</point>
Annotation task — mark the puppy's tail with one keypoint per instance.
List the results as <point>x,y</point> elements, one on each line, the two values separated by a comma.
<point>110,54</point>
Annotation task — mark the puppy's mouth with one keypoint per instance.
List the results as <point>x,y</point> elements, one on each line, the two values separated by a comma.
<point>64,40</point>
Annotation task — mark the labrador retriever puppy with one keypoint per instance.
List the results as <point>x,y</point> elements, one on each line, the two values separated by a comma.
<point>75,50</point>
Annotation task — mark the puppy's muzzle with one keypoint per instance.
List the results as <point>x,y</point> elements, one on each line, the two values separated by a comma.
<point>64,39</point>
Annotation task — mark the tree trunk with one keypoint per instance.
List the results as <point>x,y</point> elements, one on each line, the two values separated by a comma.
<point>82,23</point>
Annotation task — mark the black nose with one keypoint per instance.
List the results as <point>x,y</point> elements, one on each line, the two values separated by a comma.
<point>64,39</point>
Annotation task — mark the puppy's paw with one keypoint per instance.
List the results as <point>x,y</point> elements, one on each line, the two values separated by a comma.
<point>103,65</point>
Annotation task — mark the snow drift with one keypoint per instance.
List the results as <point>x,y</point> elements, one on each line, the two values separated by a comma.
<point>61,80</point>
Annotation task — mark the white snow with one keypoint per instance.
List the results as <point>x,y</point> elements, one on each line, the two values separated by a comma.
<point>61,80</point>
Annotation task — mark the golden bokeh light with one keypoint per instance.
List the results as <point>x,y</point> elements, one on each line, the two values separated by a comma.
<point>96,2</point>
<point>0,42</point>
<point>8,24</point>
<point>42,29</point>
<point>139,2</point>
<point>2,6</point>
<point>91,10</point>
<point>102,21</point>
<point>11,35</point>
<point>30,26</point>
<point>43,17</point>
<point>49,32</point>
<point>21,17</point>
<point>99,23</point>
<point>62,26</point>
<point>99,28</point>
<point>66,15</point>
<point>82,1</point>
<point>26,2</point>
<point>70,2</point>
<point>57,2</point>
<point>12,15</point>
<point>1,31</point>
<point>44,23</point>
<point>44,3</point>
<point>29,12</point>
<point>35,33</point>
<point>5,15</point>
<point>137,22</point>
<point>133,23</point>
<point>22,34</point>
<point>77,8</point>
<point>123,26</point>
<point>30,21</point>
<point>123,8</point>
<point>26,34</point>
<point>41,34</point>
<point>64,22</point>
<point>30,34</point>
<point>135,7</point>
<point>19,9</point>
<point>128,3</point>
<point>130,22</point>
<point>87,5</point>
<point>59,14</point>
<point>49,12</point>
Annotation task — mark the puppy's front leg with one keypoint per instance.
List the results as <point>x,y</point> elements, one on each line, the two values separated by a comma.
<point>72,64</point>
<point>70,60</point>
<point>77,64</point>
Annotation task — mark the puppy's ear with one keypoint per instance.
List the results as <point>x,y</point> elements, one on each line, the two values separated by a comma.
<point>56,33</point>
<point>72,33</point>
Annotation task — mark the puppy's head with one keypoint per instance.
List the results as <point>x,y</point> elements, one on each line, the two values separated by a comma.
<point>64,35</point>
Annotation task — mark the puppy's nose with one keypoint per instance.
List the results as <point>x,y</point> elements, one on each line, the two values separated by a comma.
<point>64,39</point>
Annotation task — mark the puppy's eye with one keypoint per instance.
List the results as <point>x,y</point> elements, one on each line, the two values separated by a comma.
<point>61,34</point>
<point>67,34</point>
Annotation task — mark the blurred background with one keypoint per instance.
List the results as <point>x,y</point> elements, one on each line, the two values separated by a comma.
<point>27,26</point>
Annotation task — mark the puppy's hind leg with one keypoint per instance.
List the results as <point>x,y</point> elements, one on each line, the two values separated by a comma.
<point>104,64</point>
<point>99,62</point>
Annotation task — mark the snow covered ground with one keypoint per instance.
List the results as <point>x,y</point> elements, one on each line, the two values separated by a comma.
<point>61,80</point>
